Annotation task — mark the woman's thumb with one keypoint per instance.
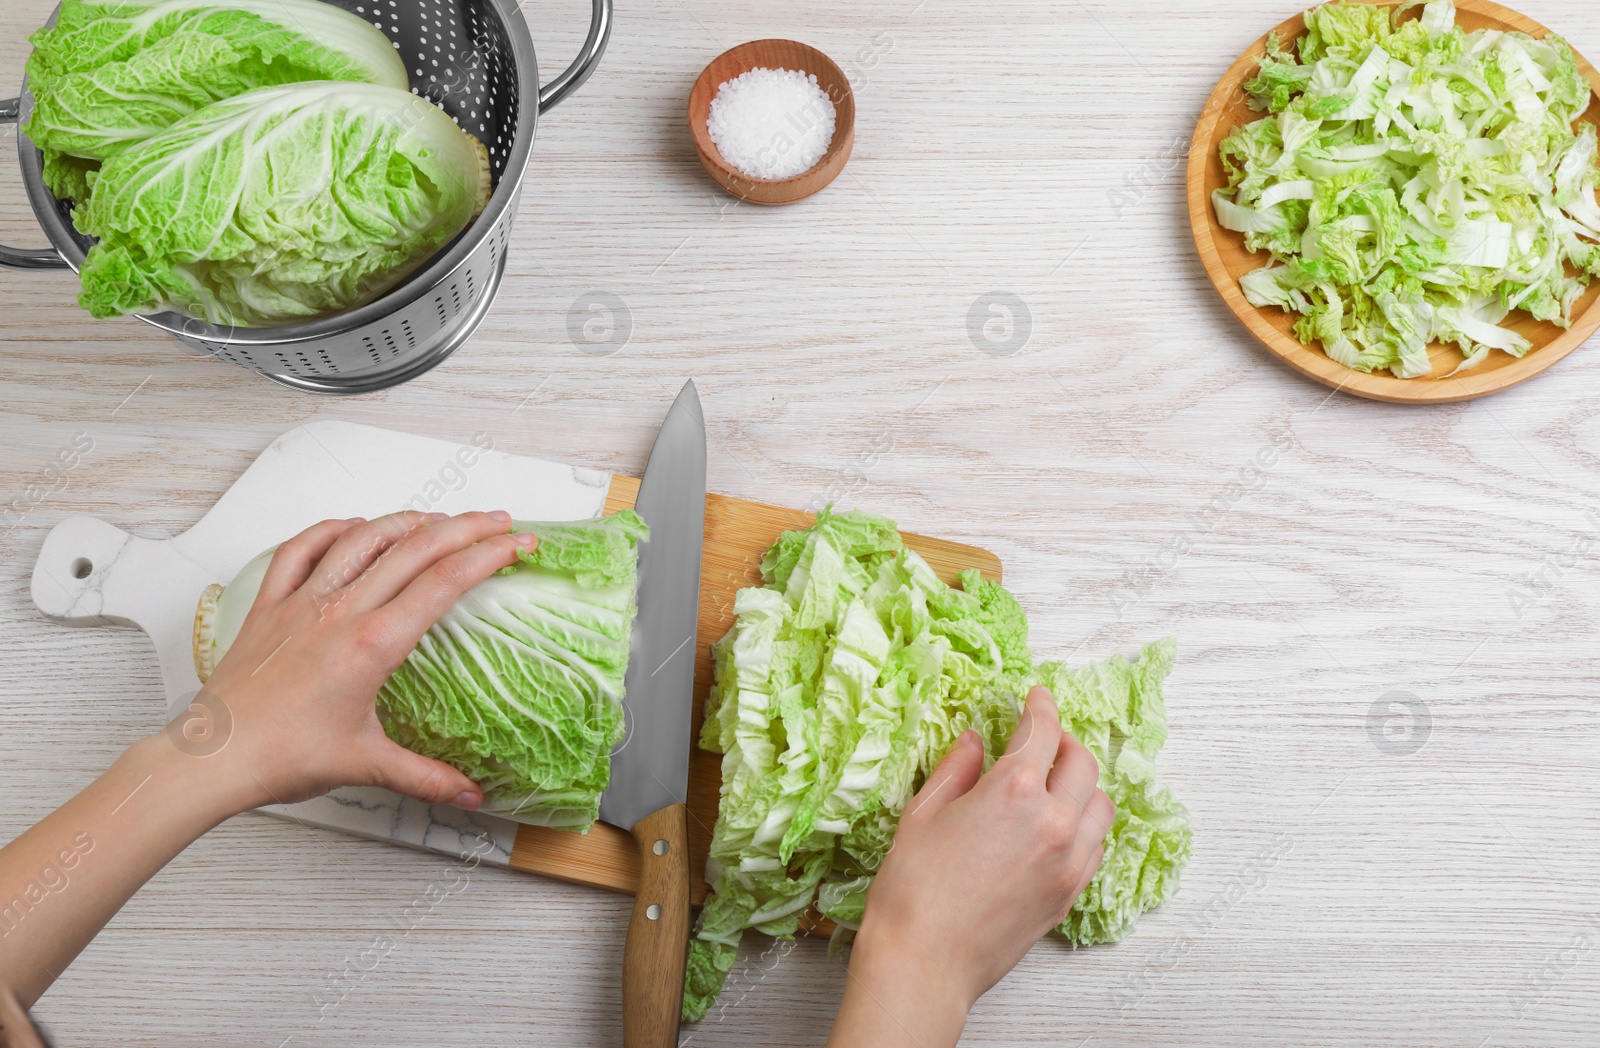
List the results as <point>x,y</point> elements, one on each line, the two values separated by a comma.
<point>425,779</point>
<point>953,778</point>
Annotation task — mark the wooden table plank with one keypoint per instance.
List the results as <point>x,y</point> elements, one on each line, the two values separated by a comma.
<point>1141,467</point>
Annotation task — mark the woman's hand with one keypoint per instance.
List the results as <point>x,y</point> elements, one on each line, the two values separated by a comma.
<point>16,1028</point>
<point>342,605</point>
<point>288,714</point>
<point>982,866</point>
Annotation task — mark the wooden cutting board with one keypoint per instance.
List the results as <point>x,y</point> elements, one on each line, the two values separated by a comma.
<point>738,533</point>
<point>91,573</point>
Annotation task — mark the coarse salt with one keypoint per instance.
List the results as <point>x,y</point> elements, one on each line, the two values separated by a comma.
<point>771,123</point>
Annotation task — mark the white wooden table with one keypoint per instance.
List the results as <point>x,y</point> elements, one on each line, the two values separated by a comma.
<point>1344,891</point>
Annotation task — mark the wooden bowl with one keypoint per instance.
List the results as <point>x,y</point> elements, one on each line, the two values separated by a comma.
<point>773,54</point>
<point>1226,260</point>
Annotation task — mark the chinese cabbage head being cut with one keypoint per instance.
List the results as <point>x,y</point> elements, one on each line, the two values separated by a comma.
<point>520,683</point>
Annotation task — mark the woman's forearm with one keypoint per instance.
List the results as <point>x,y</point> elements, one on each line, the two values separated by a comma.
<point>898,996</point>
<point>342,604</point>
<point>62,880</point>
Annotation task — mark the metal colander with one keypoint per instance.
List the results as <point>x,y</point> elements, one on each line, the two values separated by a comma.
<point>473,58</point>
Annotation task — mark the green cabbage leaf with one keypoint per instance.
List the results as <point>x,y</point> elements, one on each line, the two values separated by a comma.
<point>109,74</point>
<point>845,679</point>
<point>279,205</point>
<point>520,683</point>
<point>1414,183</point>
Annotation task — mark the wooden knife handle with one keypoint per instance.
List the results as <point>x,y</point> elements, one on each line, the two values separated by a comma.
<point>658,934</point>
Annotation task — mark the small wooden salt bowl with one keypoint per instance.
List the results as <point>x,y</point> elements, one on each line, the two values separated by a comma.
<point>773,54</point>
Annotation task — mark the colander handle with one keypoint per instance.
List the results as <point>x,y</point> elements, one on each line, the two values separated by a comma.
<point>17,257</point>
<point>551,94</point>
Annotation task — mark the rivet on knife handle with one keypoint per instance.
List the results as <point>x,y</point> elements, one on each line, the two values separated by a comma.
<point>658,933</point>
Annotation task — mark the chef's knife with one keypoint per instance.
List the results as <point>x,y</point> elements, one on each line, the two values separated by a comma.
<point>650,766</point>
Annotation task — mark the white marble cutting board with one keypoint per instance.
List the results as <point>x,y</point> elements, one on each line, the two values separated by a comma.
<point>90,573</point>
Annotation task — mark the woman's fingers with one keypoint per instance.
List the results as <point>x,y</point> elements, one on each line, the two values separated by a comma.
<point>422,550</point>
<point>348,559</point>
<point>954,777</point>
<point>294,560</point>
<point>1074,775</point>
<point>1090,866</point>
<point>1088,849</point>
<point>1090,842</point>
<point>430,593</point>
<point>16,1028</point>
<point>1099,815</point>
<point>423,778</point>
<point>1034,743</point>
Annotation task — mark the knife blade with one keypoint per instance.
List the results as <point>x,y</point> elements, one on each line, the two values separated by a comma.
<point>650,766</point>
